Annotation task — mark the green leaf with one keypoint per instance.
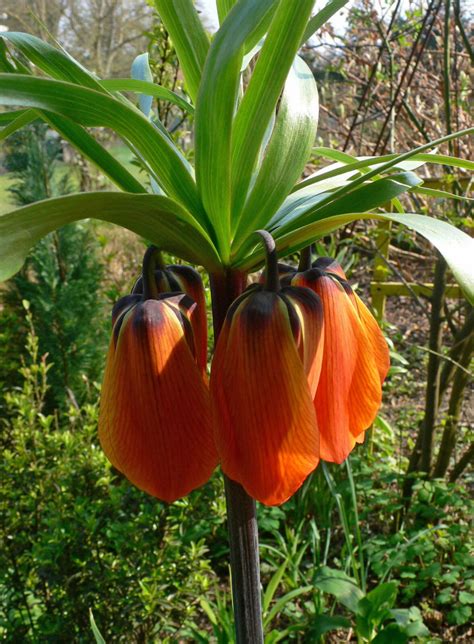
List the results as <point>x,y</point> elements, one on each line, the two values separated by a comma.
<point>391,634</point>
<point>282,602</point>
<point>8,117</point>
<point>79,138</point>
<point>215,111</point>
<point>466,598</point>
<point>147,90</point>
<point>189,39</point>
<point>364,198</point>
<point>162,221</point>
<point>323,624</point>
<point>208,610</point>
<point>439,194</point>
<point>410,621</point>
<point>97,634</point>
<point>90,108</point>
<point>456,247</point>
<point>223,8</point>
<point>320,18</point>
<point>24,118</point>
<point>327,177</point>
<point>387,162</point>
<point>5,64</point>
<point>376,604</point>
<point>337,583</point>
<point>263,91</point>
<point>83,142</point>
<point>287,151</point>
<point>141,71</point>
<point>53,61</point>
<point>459,615</point>
<point>273,585</point>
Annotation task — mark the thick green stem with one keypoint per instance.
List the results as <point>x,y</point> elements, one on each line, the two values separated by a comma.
<point>241,508</point>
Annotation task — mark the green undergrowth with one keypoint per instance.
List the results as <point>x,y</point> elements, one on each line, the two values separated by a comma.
<point>77,537</point>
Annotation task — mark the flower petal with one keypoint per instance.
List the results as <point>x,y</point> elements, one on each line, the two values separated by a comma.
<point>190,283</point>
<point>155,424</point>
<point>264,418</point>
<point>349,390</point>
<point>307,306</point>
<point>379,344</point>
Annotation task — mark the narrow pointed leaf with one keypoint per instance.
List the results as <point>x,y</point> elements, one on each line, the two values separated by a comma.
<point>8,117</point>
<point>162,221</point>
<point>223,8</point>
<point>287,151</point>
<point>390,161</point>
<point>440,194</point>
<point>215,110</point>
<point>147,90</point>
<point>320,18</point>
<point>141,72</point>
<point>456,247</point>
<point>189,39</point>
<point>90,108</point>
<point>263,92</point>
<point>58,64</point>
<point>364,198</point>
<point>80,139</point>
<point>26,117</point>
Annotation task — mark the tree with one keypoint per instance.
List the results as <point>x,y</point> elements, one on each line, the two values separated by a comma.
<point>103,34</point>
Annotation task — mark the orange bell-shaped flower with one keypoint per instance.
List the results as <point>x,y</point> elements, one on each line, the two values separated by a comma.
<point>176,278</point>
<point>264,376</point>
<point>155,420</point>
<point>355,361</point>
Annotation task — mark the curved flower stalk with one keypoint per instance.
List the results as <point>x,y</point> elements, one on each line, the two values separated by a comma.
<point>155,422</point>
<point>264,376</point>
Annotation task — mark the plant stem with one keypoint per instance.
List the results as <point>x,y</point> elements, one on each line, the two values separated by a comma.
<point>241,508</point>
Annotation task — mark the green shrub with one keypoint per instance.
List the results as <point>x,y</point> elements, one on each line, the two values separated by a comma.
<point>76,536</point>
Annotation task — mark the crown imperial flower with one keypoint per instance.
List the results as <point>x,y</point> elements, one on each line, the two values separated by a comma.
<point>155,422</point>
<point>264,376</point>
<point>355,360</point>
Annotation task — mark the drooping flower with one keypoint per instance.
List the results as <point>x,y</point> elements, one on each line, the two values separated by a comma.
<point>155,421</point>
<point>355,360</point>
<point>264,376</point>
<point>176,278</point>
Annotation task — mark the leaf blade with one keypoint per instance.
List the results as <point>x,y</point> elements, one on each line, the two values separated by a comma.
<point>189,38</point>
<point>156,218</point>
<point>288,149</point>
<point>215,110</point>
<point>456,246</point>
<point>148,89</point>
<point>263,92</point>
<point>58,64</point>
<point>88,107</point>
